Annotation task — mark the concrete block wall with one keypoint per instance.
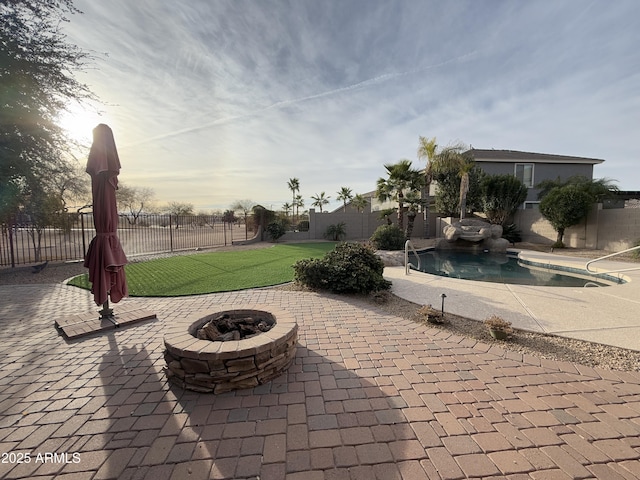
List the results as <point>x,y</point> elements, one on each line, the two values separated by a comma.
<point>618,228</point>
<point>604,229</point>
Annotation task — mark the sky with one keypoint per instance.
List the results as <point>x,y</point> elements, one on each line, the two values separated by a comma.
<point>214,101</point>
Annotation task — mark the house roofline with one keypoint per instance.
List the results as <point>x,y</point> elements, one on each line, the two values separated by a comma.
<point>491,155</point>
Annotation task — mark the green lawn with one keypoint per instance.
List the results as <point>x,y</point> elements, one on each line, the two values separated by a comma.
<point>215,272</point>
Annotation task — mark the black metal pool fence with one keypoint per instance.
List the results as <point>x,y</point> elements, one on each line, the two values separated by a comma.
<point>68,236</point>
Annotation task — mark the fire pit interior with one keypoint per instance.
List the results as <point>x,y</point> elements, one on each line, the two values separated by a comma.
<point>235,326</point>
<point>230,349</point>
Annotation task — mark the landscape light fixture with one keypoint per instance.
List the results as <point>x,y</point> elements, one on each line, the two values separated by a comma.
<point>443,296</point>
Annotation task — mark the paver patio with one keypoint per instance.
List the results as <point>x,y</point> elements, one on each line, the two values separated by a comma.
<point>370,396</point>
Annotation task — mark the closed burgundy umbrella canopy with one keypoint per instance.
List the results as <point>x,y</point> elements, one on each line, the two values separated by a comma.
<point>105,258</point>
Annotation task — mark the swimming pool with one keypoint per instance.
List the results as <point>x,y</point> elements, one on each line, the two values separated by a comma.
<point>501,268</point>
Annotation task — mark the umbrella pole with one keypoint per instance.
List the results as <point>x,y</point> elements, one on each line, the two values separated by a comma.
<point>107,313</point>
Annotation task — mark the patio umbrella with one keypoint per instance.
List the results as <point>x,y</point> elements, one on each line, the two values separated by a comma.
<point>105,258</point>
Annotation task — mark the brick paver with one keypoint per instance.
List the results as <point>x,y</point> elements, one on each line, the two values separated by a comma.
<point>369,396</point>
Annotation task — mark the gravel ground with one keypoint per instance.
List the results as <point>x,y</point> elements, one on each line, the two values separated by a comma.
<point>545,346</point>
<point>540,345</point>
<point>551,347</point>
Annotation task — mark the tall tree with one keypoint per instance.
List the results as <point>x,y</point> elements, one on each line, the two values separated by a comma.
<point>229,216</point>
<point>298,203</point>
<point>359,202</point>
<point>245,207</point>
<point>294,186</point>
<point>501,197</point>
<point>447,200</point>
<point>287,207</point>
<point>179,209</point>
<point>401,179</point>
<point>454,158</point>
<point>320,201</point>
<point>345,195</point>
<point>564,207</point>
<point>414,201</point>
<point>37,82</point>
<point>427,148</point>
<point>567,202</point>
<point>133,201</point>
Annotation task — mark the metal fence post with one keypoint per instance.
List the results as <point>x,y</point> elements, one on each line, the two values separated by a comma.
<point>84,243</point>
<point>12,222</point>
<point>170,234</point>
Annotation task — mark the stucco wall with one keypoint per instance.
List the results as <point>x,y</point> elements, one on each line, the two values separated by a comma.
<point>618,228</point>
<point>608,229</point>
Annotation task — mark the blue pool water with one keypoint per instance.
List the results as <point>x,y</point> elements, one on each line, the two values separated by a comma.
<point>497,268</point>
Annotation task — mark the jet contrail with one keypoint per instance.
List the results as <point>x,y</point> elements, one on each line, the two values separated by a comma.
<point>365,83</point>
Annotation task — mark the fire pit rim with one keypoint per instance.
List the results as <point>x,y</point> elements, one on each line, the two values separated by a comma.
<point>179,341</point>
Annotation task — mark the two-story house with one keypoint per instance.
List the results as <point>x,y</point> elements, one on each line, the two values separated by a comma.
<point>533,168</point>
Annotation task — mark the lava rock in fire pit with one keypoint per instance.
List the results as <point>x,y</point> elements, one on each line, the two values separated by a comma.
<point>227,327</point>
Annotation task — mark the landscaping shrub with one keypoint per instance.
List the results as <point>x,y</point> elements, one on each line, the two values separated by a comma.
<point>388,237</point>
<point>336,232</point>
<point>303,226</point>
<point>511,233</point>
<point>275,230</point>
<point>349,268</point>
<point>501,197</point>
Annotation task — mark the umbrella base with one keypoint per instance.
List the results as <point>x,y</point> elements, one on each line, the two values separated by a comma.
<point>107,313</point>
<point>80,325</point>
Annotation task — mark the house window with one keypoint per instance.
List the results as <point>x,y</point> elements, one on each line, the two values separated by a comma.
<point>524,172</point>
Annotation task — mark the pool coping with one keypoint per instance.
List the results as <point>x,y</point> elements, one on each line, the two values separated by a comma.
<point>569,268</point>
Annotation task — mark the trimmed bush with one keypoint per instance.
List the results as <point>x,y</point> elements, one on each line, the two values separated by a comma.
<point>275,230</point>
<point>388,237</point>
<point>336,232</point>
<point>349,268</point>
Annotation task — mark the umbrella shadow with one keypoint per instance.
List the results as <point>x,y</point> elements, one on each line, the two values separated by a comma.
<point>318,415</point>
<point>144,417</point>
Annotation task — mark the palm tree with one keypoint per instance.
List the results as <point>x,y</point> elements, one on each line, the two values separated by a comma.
<point>287,208</point>
<point>414,201</point>
<point>345,195</point>
<point>359,202</point>
<point>427,148</point>
<point>401,179</point>
<point>454,158</point>
<point>298,202</point>
<point>294,186</point>
<point>465,167</point>
<point>319,201</point>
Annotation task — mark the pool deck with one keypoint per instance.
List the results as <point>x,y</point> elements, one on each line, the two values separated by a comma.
<point>608,315</point>
<point>369,396</point>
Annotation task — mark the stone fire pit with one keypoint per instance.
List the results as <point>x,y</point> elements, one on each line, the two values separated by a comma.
<point>222,366</point>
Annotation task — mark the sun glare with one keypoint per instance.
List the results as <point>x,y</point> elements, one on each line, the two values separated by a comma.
<point>79,121</point>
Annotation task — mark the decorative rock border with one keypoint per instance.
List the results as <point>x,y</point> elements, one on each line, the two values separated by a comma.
<point>218,367</point>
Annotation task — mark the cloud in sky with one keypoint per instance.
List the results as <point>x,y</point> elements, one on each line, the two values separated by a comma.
<point>212,102</point>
